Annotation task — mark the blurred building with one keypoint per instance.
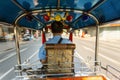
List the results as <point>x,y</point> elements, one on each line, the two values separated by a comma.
<point>6,32</point>
<point>107,31</point>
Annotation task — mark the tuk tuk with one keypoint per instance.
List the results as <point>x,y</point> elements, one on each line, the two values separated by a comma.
<point>74,14</point>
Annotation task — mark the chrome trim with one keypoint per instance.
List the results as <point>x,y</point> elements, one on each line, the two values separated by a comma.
<point>17,45</point>
<point>17,4</point>
<point>97,39</point>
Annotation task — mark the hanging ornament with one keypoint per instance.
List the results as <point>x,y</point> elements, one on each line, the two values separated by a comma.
<point>66,27</point>
<point>69,18</point>
<point>49,27</point>
<point>58,17</point>
<point>46,17</point>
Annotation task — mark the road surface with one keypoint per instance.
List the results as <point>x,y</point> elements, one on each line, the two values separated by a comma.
<point>108,55</point>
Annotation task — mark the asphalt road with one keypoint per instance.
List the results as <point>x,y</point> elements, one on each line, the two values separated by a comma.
<point>108,55</point>
<point>9,59</point>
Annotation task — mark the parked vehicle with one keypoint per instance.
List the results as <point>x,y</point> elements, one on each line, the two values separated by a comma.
<point>26,37</point>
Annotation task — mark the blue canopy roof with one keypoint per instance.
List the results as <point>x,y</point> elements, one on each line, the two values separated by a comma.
<point>30,13</point>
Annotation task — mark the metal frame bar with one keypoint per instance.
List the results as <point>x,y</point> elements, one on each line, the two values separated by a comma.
<point>24,10</point>
<point>58,4</point>
<point>16,31</point>
<point>97,44</point>
<point>69,10</point>
<point>37,19</point>
<point>19,5</point>
<point>97,5</point>
<point>114,75</point>
<point>77,19</point>
<point>97,39</point>
<point>17,44</point>
<point>94,7</point>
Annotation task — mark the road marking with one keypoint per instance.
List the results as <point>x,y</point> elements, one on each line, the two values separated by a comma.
<point>6,73</point>
<point>77,54</point>
<point>107,50</point>
<point>31,56</point>
<point>11,55</point>
<point>109,59</point>
<point>88,48</point>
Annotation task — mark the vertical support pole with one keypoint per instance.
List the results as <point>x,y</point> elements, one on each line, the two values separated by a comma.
<point>96,46</point>
<point>17,47</point>
<point>43,37</point>
<point>97,40</point>
<point>71,36</point>
<point>58,4</point>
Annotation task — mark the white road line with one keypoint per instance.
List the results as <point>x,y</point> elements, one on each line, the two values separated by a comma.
<point>107,58</point>
<point>107,50</point>
<point>31,56</point>
<point>110,59</point>
<point>88,49</point>
<point>6,73</point>
<point>11,55</point>
<point>77,54</point>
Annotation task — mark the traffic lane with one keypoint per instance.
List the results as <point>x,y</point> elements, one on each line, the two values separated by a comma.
<point>13,61</point>
<point>7,66</point>
<point>101,42</point>
<point>115,46</point>
<point>7,54</point>
<point>10,52</point>
<point>105,53</point>
<point>108,50</point>
<point>82,47</point>
<point>10,76</point>
<point>105,58</point>
<point>8,71</point>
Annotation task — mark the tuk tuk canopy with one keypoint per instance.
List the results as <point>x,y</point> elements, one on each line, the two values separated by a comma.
<point>37,14</point>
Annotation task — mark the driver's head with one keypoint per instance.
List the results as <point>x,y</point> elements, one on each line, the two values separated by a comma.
<point>57,27</point>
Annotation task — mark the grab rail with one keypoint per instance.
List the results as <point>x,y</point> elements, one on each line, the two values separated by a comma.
<point>113,71</point>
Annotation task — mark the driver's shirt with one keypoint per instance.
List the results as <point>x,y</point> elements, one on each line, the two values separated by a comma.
<point>54,40</point>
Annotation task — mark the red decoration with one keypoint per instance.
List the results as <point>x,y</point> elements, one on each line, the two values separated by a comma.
<point>43,38</point>
<point>46,17</point>
<point>66,27</point>
<point>69,18</point>
<point>49,27</point>
<point>71,37</point>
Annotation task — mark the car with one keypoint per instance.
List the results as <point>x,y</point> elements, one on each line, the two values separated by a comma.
<point>26,37</point>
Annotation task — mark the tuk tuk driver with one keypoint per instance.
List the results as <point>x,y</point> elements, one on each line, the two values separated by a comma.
<point>57,30</point>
